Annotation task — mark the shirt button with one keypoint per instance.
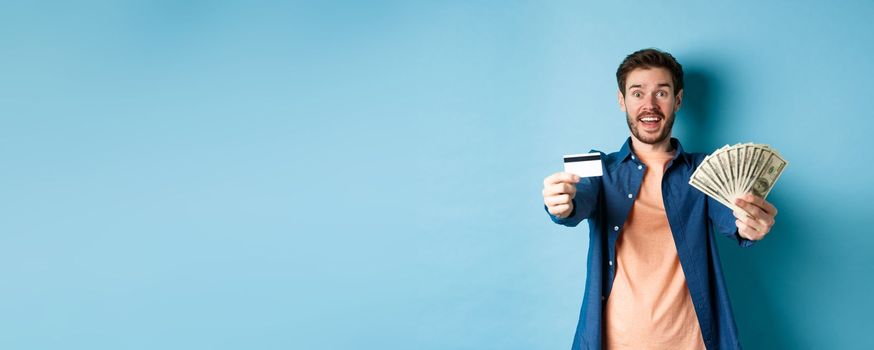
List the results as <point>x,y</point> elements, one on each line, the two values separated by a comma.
<point>610,262</point>
<point>629,196</point>
<point>615,228</point>
<point>639,167</point>
<point>632,156</point>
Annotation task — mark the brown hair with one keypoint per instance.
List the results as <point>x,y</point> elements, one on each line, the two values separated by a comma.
<point>650,58</point>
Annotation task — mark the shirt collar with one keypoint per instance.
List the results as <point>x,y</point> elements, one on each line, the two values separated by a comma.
<point>625,152</point>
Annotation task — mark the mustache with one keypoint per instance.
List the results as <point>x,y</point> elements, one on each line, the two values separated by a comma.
<point>650,113</point>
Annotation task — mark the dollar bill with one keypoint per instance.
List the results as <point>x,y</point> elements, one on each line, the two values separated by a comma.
<point>732,171</point>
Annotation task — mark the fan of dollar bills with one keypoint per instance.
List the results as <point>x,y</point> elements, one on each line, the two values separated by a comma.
<point>733,171</point>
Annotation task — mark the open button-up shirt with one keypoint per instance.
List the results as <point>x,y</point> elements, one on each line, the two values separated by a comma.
<point>606,202</point>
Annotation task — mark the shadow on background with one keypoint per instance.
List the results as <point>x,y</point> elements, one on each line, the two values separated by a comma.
<point>697,112</point>
<point>752,274</point>
<point>757,278</point>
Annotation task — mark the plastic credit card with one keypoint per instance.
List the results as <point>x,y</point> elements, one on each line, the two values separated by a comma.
<point>583,165</point>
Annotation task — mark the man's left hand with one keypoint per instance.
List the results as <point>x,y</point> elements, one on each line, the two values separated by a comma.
<point>760,219</point>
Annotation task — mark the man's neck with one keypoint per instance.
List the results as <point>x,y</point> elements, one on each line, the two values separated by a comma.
<point>662,147</point>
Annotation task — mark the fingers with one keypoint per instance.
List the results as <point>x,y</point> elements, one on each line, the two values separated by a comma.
<point>758,220</point>
<point>561,177</point>
<point>751,209</point>
<point>560,183</point>
<point>761,203</point>
<point>749,197</point>
<point>557,200</point>
<point>749,232</point>
<point>560,210</point>
<point>560,204</point>
<point>560,188</point>
<point>770,208</point>
<point>758,213</point>
<point>750,221</point>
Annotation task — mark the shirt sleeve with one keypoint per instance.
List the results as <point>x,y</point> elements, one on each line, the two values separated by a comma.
<point>724,221</point>
<point>585,202</point>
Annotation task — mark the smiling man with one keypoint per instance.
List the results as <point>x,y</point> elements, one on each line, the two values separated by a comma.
<point>654,280</point>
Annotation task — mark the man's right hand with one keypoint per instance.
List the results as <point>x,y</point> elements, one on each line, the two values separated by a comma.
<point>558,191</point>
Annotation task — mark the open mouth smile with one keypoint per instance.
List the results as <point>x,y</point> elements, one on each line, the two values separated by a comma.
<point>650,122</point>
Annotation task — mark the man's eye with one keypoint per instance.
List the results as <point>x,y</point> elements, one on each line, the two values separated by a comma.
<point>661,94</point>
<point>635,94</point>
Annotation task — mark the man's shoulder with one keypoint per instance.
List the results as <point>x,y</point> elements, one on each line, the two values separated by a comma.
<point>612,157</point>
<point>608,159</point>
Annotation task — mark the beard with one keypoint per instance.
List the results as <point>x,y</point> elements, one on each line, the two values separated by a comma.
<point>663,134</point>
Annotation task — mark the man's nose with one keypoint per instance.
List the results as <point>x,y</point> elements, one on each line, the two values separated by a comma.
<point>649,102</point>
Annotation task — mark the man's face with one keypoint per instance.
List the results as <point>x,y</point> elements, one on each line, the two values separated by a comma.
<point>650,104</point>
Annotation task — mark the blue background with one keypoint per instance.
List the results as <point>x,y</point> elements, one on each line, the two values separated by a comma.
<point>324,175</point>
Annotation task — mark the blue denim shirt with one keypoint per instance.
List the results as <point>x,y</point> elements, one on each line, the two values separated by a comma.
<point>692,216</point>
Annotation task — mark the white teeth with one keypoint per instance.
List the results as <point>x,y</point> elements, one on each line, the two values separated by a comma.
<point>649,119</point>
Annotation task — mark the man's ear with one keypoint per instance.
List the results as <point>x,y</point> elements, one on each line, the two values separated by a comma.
<point>679,100</point>
<point>621,99</point>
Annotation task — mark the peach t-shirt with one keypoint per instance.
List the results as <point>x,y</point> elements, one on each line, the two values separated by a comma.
<point>650,306</point>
